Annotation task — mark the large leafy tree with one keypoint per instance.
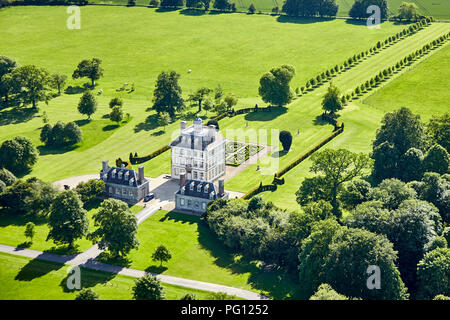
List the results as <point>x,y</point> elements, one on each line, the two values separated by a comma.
<point>331,101</point>
<point>326,292</point>
<point>18,155</point>
<point>116,114</point>
<point>411,165</point>
<point>310,8</point>
<point>161,254</point>
<point>438,129</point>
<point>90,190</point>
<point>34,83</point>
<point>436,190</point>
<point>433,273</point>
<point>400,130</point>
<point>274,85</point>
<point>90,69</point>
<point>171,3</point>
<point>198,96</point>
<point>408,11</point>
<point>7,177</point>
<point>391,193</point>
<point>7,65</point>
<point>359,8</point>
<point>68,220</point>
<point>117,227</point>
<point>87,104</point>
<point>437,160</point>
<point>339,166</point>
<point>148,287</point>
<point>167,94</point>
<point>31,197</point>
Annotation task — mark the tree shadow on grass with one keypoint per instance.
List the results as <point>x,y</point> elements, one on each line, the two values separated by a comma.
<point>150,123</point>
<point>25,244</point>
<point>45,150</point>
<point>319,121</point>
<point>110,127</point>
<point>279,154</point>
<point>192,12</point>
<point>106,257</point>
<point>158,133</point>
<point>16,115</point>
<point>156,269</point>
<point>74,90</point>
<point>9,218</point>
<point>266,115</point>
<point>82,122</point>
<point>300,20</point>
<point>88,278</point>
<point>166,9</point>
<point>36,268</point>
<point>278,284</point>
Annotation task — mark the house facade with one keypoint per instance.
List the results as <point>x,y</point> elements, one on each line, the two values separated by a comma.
<point>198,152</point>
<point>124,184</point>
<point>194,195</point>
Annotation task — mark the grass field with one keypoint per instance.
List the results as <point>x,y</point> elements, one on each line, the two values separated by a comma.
<point>198,255</point>
<point>178,42</point>
<point>25,279</point>
<point>12,228</point>
<point>440,9</point>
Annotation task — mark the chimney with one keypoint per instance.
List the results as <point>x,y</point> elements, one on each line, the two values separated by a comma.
<point>183,125</point>
<point>104,166</point>
<point>141,178</point>
<point>182,179</point>
<point>221,187</point>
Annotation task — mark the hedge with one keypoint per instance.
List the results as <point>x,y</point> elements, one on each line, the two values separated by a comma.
<point>135,160</point>
<point>259,189</point>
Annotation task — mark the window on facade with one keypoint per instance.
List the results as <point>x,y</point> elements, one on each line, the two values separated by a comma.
<point>117,191</point>
<point>195,175</point>
<point>124,192</point>
<point>110,190</point>
<point>201,175</point>
<point>177,171</point>
<point>197,204</point>
<point>189,203</point>
<point>130,193</point>
<point>182,201</point>
<point>203,205</point>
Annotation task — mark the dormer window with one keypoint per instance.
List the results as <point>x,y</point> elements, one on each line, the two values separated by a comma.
<point>191,187</point>
<point>211,195</point>
<point>127,175</point>
<point>105,177</point>
<point>206,188</point>
<point>119,176</point>
<point>131,181</point>
<point>113,174</point>
<point>199,187</point>
<point>183,189</point>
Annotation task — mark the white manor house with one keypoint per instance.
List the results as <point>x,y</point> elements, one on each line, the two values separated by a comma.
<point>198,152</point>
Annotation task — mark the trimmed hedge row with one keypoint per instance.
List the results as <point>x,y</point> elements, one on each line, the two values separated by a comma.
<point>135,160</point>
<point>327,75</point>
<point>259,189</point>
<point>310,152</point>
<point>398,66</point>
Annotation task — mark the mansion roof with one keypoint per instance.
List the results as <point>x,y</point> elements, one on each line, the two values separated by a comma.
<point>198,189</point>
<point>120,176</point>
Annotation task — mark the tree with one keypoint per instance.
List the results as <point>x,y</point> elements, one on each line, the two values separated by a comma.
<point>274,85</point>
<point>331,101</point>
<point>222,5</point>
<point>400,131</point>
<point>339,166</point>
<point>161,254</point>
<point>90,190</point>
<point>115,102</point>
<point>433,273</point>
<point>2,186</point>
<point>436,242</point>
<point>359,8</point>
<point>72,133</point>
<point>286,140</point>
<point>87,294</point>
<point>354,192</point>
<point>437,160</point>
<point>438,129</point>
<point>117,227</point>
<point>148,287</point>
<point>167,93</point>
<point>218,92</point>
<point>164,119</point>
<point>198,96</point>
<point>314,189</point>
<point>220,107</point>
<point>171,3</point>
<point>29,231</point>
<point>411,165</point>
<point>68,220</point>
<point>189,296</point>
<point>408,11</point>
<point>90,69</point>
<point>326,292</point>
<point>30,197</point>
<point>230,101</point>
<point>208,105</point>
<point>309,8</point>
<point>18,155</point>
<point>116,114</point>
<point>58,81</point>
<point>7,177</point>
<point>391,193</point>
<point>436,190</point>
<point>251,9</point>
<point>7,65</point>
<point>34,84</point>
<point>87,104</point>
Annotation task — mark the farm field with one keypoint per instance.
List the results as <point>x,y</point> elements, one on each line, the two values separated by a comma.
<point>141,133</point>
<point>198,255</point>
<point>46,280</point>
<point>440,9</point>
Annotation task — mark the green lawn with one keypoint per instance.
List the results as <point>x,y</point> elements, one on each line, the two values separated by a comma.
<point>161,41</point>
<point>198,255</point>
<point>22,278</point>
<point>12,228</point>
<point>427,88</point>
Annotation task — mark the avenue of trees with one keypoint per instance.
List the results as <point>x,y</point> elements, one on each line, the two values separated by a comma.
<point>310,8</point>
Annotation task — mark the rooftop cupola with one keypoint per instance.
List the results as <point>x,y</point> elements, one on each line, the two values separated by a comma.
<point>198,125</point>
